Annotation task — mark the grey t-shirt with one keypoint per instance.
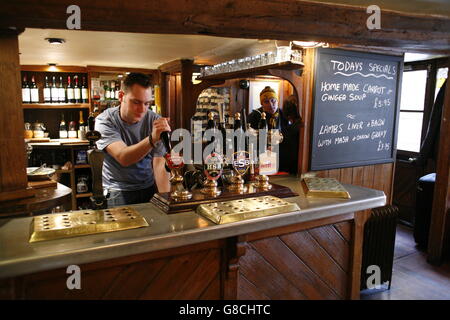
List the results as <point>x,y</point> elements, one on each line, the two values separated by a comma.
<point>112,128</point>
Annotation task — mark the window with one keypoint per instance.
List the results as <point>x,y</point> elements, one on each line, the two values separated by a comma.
<point>412,110</point>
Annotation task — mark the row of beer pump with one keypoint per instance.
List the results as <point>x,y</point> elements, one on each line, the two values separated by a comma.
<point>230,171</point>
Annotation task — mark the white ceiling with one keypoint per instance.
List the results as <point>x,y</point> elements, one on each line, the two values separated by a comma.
<point>132,50</point>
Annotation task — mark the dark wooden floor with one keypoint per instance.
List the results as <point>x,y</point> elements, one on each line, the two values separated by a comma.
<point>413,278</point>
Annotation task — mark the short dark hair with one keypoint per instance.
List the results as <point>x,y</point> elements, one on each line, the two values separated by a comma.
<point>136,78</point>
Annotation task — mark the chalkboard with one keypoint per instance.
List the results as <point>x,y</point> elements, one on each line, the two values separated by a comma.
<point>355,114</point>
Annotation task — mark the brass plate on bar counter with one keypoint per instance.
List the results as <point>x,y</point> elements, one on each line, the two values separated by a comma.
<point>244,209</point>
<point>325,188</point>
<point>83,222</point>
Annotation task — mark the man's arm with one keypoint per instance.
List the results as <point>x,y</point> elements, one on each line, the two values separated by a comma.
<point>128,155</point>
<point>161,175</point>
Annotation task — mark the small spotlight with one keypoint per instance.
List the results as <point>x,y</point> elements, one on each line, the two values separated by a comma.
<point>55,41</point>
<point>52,67</point>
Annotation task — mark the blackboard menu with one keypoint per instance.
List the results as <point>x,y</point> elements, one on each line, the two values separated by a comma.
<point>355,114</point>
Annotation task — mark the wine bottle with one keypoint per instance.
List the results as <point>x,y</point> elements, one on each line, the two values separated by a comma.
<point>47,93</point>
<point>107,92</point>
<point>34,91</point>
<point>26,93</point>
<point>62,91</point>
<point>72,133</point>
<point>84,92</point>
<point>70,92</point>
<point>62,128</point>
<point>112,90</point>
<point>116,92</point>
<point>54,91</point>
<point>77,91</point>
<point>81,127</point>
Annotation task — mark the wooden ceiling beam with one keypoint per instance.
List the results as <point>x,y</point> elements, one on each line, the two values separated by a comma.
<point>255,19</point>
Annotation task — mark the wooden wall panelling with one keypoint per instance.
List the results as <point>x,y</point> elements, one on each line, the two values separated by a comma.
<point>189,272</point>
<point>289,263</point>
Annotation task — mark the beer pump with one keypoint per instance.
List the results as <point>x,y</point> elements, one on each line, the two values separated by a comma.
<point>95,158</point>
<point>175,163</point>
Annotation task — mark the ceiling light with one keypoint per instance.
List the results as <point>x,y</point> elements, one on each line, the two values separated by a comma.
<point>55,41</point>
<point>52,67</point>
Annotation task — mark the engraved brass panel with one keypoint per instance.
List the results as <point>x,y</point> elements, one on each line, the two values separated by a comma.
<point>83,222</point>
<point>244,209</point>
<point>325,188</point>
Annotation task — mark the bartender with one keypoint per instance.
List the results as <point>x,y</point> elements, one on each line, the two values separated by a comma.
<point>134,164</point>
<point>269,105</point>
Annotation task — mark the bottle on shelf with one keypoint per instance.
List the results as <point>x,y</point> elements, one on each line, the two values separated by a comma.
<point>107,92</point>
<point>62,91</point>
<point>63,128</point>
<point>26,91</point>
<point>34,91</point>
<point>77,91</point>
<point>70,91</point>
<point>82,128</point>
<point>112,89</point>
<point>72,133</point>
<point>47,91</point>
<point>84,92</point>
<point>116,92</point>
<point>54,91</point>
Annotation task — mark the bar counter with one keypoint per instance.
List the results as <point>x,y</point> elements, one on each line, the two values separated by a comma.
<point>217,253</point>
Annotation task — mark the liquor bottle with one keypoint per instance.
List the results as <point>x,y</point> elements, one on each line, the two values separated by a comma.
<point>54,91</point>
<point>63,128</point>
<point>107,91</point>
<point>77,91</point>
<point>34,91</point>
<point>84,91</point>
<point>47,93</point>
<point>26,92</point>
<point>70,92</point>
<point>62,91</point>
<point>72,133</point>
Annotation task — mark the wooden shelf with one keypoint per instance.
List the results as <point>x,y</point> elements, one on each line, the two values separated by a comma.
<point>80,166</point>
<point>286,65</point>
<point>56,105</point>
<point>83,195</point>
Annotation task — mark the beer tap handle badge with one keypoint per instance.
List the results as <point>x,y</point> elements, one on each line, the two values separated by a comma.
<point>213,166</point>
<point>241,162</point>
<point>174,160</point>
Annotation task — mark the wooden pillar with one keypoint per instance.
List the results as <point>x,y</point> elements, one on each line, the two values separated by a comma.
<point>187,105</point>
<point>440,225</point>
<point>306,101</point>
<point>13,177</point>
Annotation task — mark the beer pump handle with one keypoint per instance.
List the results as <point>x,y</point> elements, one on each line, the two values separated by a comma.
<point>166,140</point>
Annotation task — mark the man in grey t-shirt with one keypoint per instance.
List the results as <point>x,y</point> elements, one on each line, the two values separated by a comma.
<point>134,160</point>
